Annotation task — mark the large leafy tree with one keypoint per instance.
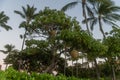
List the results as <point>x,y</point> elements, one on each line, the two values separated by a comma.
<point>55,27</point>
<point>37,57</point>
<point>28,14</point>
<point>3,21</point>
<point>106,12</point>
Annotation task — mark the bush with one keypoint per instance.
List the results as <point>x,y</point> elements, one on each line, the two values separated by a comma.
<point>11,74</point>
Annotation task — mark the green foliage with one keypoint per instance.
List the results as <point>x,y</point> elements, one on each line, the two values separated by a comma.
<point>113,43</point>
<point>28,13</point>
<point>2,75</point>
<point>3,21</point>
<point>48,20</point>
<point>38,43</point>
<point>66,33</point>
<point>11,74</point>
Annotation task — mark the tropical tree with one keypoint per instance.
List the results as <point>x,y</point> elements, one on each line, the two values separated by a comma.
<point>28,14</point>
<point>9,50</point>
<point>86,9</point>
<point>74,3</point>
<point>103,12</point>
<point>112,41</point>
<point>3,21</point>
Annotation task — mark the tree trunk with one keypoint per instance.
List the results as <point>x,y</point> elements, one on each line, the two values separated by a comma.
<point>111,64</point>
<point>113,72</point>
<point>0,66</point>
<point>97,70</point>
<point>23,40</point>
<point>84,15</point>
<point>6,66</point>
<point>76,68</point>
<point>53,61</point>
<point>65,62</point>
<point>50,67</point>
<point>65,65</point>
<point>72,67</point>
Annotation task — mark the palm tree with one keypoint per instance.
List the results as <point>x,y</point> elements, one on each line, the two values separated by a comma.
<point>104,12</point>
<point>3,21</point>
<point>28,14</point>
<point>9,50</point>
<point>73,4</point>
<point>85,8</point>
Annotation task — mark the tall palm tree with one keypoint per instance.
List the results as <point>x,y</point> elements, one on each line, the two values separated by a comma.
<point>73,4</point>
<point>28,14</point>
<point>3,21</point>
<point>104,12</point>
<point>86,10</point>
<point>9,50</point>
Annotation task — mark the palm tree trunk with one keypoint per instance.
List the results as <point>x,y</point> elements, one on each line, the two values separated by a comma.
<point>84,15</point>
<point>23,40</point>
<point>97,70</point>
<point>76,68</point>
<point>22,48</point>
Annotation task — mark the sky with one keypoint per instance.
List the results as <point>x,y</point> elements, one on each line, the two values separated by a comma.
<point>8,6</point>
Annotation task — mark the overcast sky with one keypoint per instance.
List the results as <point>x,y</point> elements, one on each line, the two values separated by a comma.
<point>8,6</point>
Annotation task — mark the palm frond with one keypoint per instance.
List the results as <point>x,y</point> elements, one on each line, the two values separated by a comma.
<point>28,13</point>
<point>3,21</point>
<point>6,27</point>
<point>88,19</point>
<point>96,1</point>
<point>21,14</point>
<point>3,51</point>
<point>92,23</point>
<point>89,11</point>
<point>109,22</point>
<point>115,25</point>
<point>9,46</point>
<point>24,11</point>
<point>114,8</point>
<point>3,18</point>
<point>115,16</point>
<point>23,24</point>
<point>31,12</point>
<point>69,5</point>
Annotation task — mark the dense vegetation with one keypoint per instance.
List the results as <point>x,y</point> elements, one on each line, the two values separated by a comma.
<point>52,38</point>
<point>11,74</point>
